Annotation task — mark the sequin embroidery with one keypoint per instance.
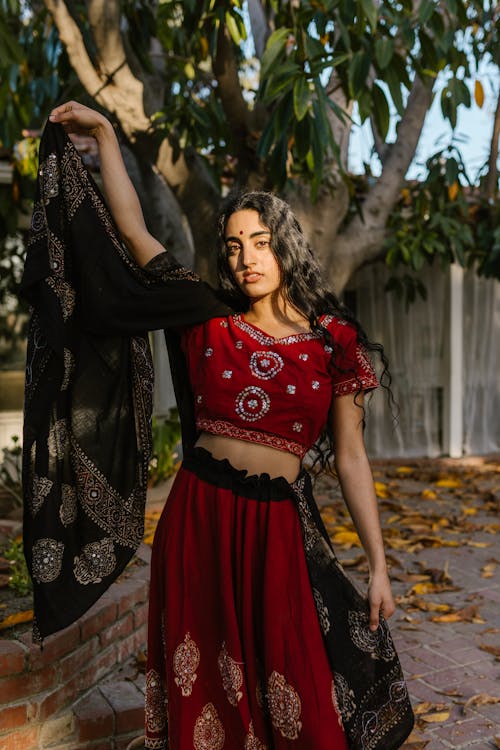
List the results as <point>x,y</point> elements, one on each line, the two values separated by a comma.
<point>232,676</point>
<point>47,560</point>
<point>208,731</point>
<point>265,365</point>
<point>284,706</point>
<point>186,660</point>
<point>252,403</point>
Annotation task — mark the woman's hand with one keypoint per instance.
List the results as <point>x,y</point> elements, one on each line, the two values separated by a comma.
<point>380,598</point>
<point>77,118</point>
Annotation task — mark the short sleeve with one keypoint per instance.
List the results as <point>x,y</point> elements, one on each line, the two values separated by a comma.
<point>352,370</point>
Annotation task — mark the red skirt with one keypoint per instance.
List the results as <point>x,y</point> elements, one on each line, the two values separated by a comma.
<point>236,658</point>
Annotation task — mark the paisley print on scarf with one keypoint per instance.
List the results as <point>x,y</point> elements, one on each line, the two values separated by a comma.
<point>96,561</point>
<point>47,560</point>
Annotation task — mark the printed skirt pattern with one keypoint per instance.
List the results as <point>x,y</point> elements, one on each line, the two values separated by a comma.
<point>257,639</point>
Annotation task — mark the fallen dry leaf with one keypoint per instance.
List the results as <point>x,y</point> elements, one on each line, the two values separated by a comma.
<point>381,489</point>
<point>428,707</point>
<point>428,494</point>
<point>16,619</point>
<point>430,606</point>
<point>496,740</point>
<point>431,588</point>
<point>405,470</point>
<point>495,650</point>
<point>448,483</point>
<point>488,570</point>
<point>436,717</point>
<point>481,699</point>
<point>467,614</point>
<point>346,538</point>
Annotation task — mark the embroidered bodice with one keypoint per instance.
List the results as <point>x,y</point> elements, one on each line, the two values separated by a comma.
<point>274,391</point>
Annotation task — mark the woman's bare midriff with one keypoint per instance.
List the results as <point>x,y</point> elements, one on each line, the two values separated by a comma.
<point>255,458</point>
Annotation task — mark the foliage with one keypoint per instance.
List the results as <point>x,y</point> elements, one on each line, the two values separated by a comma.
<point>375,49</point>
<point>275,119</point>
<point>166,438</point>
<point>442,220</point>
<point>19,578</point>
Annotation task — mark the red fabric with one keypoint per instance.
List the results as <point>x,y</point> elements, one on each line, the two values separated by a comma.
<point>230,589</point>
<point>276,392</point>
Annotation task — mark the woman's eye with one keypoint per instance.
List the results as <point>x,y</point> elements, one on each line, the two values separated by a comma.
<point>262,243</point>
<point>232,249</point>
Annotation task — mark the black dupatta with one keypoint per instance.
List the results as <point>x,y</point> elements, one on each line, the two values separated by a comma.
<point>89,386</point>
<point>86,445</point>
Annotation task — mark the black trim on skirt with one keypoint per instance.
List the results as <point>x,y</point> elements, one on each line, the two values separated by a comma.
<point>221,473</point>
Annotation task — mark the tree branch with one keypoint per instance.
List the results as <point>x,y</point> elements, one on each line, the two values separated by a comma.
<point>361,241</point>
<point>491,185</point>
<point>71,37</point>
<point>235,108</point>
<point>261,30</point>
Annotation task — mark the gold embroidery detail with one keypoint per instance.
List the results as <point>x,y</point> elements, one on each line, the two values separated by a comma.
<point>156,702</point>
<point>68,509</point>
<point>97,560</point>
<point>336,704</point>
<point>47,560</point>
<point>232,676</point>
<point>57,439</point>
<point>208,731</point>
<point>41,488</point>
<point>252,742</point>
<point>69,364</point>
<point>49,178</point>
<point>344,702</point>
<point>186,661</point>
<point>64,293</point>
<point>121,518</point>
<point>284,706</point>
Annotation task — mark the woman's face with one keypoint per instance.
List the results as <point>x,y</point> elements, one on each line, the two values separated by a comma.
<point>249,255</point>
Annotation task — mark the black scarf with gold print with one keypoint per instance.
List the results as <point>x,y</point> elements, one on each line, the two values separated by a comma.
<point>89,386</point>
<point>88,403</point>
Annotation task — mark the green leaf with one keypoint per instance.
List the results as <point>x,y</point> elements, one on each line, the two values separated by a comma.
<point>394,83</point>
<point>459,91</point>
<point>425,11</point>
<point>358,72</point>
<point>301,95</point>
<point>274,47</point>
<point>384,49</point>
<point>302,134</point>
<point>430,59</point>
<point>380,110</point>
<point>451,171</point>
<point>371,12</point>
<point>237,30</point>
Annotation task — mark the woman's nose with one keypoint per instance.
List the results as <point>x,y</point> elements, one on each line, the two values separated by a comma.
<point>247,255</point>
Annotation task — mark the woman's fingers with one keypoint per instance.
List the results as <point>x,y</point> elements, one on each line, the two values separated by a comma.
<point>77,118</point>
<point>381,601</point>
<point>63,112</point>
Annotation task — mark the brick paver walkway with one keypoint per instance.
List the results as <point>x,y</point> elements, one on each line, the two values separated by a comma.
<point>442,503</point>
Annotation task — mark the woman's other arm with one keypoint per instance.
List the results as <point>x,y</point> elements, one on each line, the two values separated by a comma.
<point>120,193</point>
<point>356,481</point>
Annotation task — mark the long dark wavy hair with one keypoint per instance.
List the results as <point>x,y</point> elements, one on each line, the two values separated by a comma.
<point>302,287</point>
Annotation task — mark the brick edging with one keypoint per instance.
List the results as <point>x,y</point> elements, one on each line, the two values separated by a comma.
<point>43,693</point>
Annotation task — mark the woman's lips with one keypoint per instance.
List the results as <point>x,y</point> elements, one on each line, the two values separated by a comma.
<point>251,278</point>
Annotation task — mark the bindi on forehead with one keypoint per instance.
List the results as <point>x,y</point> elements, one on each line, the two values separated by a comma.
<point>241,231</point>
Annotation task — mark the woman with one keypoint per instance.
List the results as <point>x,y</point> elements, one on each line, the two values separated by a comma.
<point>236,654</point>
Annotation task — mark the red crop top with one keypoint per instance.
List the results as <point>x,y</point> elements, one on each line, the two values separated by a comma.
<point>277,392</point>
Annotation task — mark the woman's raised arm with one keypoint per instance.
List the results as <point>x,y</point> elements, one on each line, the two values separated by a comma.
<point>120,193</point>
